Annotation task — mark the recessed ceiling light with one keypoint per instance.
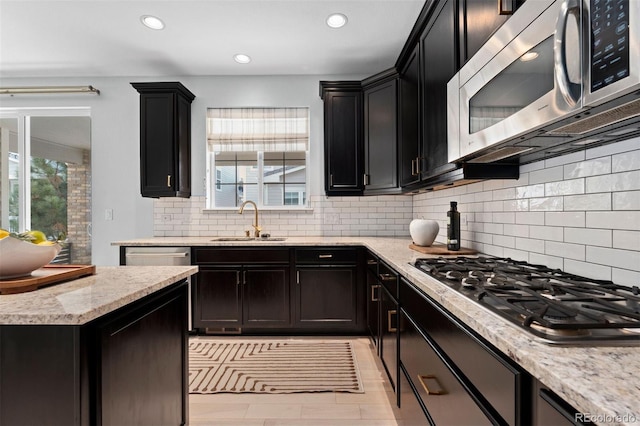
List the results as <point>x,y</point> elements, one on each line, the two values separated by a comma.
<point>529,56</point>
<point>336,20</point>
<point>241,58</point>
<point>152,22</point>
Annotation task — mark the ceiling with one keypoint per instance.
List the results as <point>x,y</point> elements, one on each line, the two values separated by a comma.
<point>105,38</point>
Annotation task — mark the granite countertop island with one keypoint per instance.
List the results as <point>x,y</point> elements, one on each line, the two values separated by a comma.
<point>94,344</point>
<point>79,301</point>
<point>603,382</point>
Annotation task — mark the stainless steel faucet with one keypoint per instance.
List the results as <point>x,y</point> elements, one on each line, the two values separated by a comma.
<point>256,226</point>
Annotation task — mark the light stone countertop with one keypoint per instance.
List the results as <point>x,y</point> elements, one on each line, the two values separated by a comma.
<point>81,300</point>
<point>598,381</point>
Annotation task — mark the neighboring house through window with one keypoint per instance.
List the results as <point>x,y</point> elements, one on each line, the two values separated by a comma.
<point>257,154</point>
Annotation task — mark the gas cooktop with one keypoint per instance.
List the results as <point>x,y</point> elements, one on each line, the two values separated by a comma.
<point>559,307</point>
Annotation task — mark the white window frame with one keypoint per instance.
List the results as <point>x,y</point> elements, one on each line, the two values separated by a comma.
<point>23,115</point>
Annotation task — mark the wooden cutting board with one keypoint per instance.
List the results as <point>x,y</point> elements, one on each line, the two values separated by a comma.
<point>441,249</point>
<point>47,275</point>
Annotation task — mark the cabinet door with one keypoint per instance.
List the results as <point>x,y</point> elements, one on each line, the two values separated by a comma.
<point>157,148</point>
<point>389,335</point>
<point>143,365</point>
<point>265,297</point>
<point>326,297</point>
<point>411,412</point>
<point>218,297</point>
<point>438,46</point>
<point>479,19</point>
<point>380,135</point>
<point>409,117</point>
<point>373,306</point>
<point>343,143</point>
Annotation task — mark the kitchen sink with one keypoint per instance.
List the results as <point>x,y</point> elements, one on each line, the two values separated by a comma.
<point>249,239</point>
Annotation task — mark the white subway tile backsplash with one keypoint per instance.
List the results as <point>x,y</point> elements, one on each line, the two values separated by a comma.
<point>614,148</point>
<point>564,159</point>
<point>554,174</point>
<point>550,261</point>
<point>598,166</point>
<point>629,200</point>
<point>588,202</point>
<point>546,204</point>
<point>530,245</point>
<point>625,181</point>
<point>504,217</point>
<point>552,233</point>
<point>530,218</point>
<point>530,191</point>
<point>614,220</point>
<point>626,161</point>
<point>566,187</point>
<point>588,236</point>
<point>516,230</point>
<point>625,259</point>
<point>625,277</point>
<point>628,240</point>
<point>566,250</point>
<point>564,218</point>
<point>589,270</point>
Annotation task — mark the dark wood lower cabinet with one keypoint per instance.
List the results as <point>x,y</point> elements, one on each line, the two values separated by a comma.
<point>127,367</point>
<point>389,334</point>
<point>411,411</point>
<point>243,296</point>
<point>265,297</point>
<point>373,306</point>
<point>326,297</point>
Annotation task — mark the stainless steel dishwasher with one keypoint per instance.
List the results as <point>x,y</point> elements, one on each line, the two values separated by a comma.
<point>160,256</point>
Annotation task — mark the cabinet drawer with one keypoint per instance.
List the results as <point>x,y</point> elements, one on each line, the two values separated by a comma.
<point>240,255</point>
<point>328,256</point>
<point>442,394</point>
<point>388,278</point>
<point>372,262</point>
<point>497,379</point>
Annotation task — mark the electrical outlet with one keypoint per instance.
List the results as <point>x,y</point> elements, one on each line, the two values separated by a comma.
<point>167,218</point>
<point>108,214</point>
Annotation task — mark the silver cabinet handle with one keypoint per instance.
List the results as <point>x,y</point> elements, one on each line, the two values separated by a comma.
<point>237,277</point>
<point>157,254</point>
<point>325,256</point>
<point>168,181</point>
<point>387,277</point>
<point>297,277</point>
<point>244,277</point>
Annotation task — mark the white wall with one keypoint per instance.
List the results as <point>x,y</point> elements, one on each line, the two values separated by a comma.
<point>115,138</point>
<point>579,212</point>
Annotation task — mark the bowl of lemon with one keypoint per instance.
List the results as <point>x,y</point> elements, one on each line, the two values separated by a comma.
<point>23,253</point>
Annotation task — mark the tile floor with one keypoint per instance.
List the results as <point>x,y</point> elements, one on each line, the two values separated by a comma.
<point>371,408</point>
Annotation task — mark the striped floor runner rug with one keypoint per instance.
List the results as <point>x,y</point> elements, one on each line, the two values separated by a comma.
<point>268,366</point>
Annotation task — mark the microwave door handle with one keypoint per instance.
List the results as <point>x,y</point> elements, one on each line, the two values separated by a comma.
<point>560,56</point>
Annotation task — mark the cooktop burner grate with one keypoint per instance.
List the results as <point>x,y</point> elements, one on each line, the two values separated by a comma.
<point>550,303</point>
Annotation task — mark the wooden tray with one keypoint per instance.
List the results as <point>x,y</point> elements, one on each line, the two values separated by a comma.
<point>47,275</point>
<point>441,249</point>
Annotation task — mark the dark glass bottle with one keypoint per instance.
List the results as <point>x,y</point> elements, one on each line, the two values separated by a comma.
<point>453,227</point>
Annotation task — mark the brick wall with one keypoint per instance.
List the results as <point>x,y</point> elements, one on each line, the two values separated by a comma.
<point>79,209</point>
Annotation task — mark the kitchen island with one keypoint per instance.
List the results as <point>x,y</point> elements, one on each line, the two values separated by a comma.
<point>600,382</point>
<point>110,348</point>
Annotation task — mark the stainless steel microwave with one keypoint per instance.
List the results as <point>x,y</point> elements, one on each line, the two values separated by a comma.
<point>555,72</point>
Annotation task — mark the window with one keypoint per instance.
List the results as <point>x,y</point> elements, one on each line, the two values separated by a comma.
<point>45,169</point>
<point>257,154</point>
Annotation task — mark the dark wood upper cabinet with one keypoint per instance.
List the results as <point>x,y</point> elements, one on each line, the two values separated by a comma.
<point>409,120</point>
<point>439,63</point>
<point>343,142</point>
<point>381,133</point>
<point>165,139</point>
<point>479,19</point>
